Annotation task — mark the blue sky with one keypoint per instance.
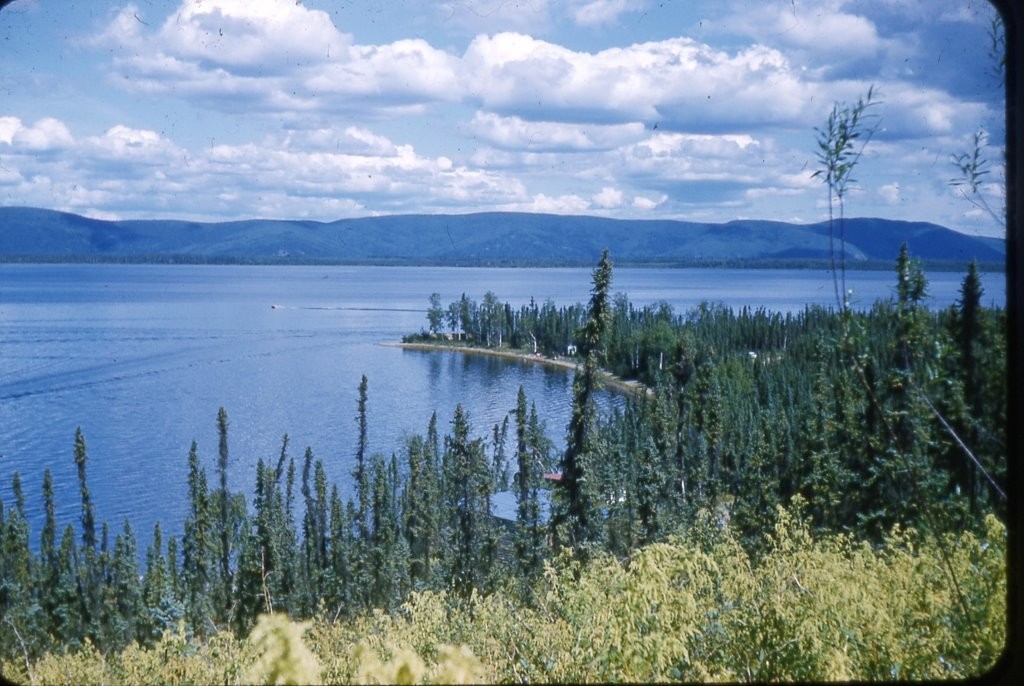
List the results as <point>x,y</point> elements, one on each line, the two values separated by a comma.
<point>323,109</point>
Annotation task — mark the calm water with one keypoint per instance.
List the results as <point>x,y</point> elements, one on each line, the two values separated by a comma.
<point>141,357</point>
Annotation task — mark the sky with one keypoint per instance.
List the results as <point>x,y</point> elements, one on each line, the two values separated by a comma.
<point>214,110</point>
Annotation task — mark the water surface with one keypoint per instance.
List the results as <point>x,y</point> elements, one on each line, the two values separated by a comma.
<point>142,356</point>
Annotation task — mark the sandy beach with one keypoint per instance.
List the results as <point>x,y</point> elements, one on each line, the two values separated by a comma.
<point>610,380</point>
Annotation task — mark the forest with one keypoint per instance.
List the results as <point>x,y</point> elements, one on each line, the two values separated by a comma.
<point>795,496</point>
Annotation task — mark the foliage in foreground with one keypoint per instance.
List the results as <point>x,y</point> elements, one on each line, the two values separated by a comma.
<point>808,608</point>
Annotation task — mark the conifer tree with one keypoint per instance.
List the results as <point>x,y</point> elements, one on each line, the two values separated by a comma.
<point>19,625</point>
<point>274,537</point>
<point>48,571</point>
<point>88,515</point>
<point>421,505</point>
<point>224,522</point>
<point>529,539</point>
<point>360,516</point>
<point>970,351</point>
<point>467,495</point>
<point>707,424</point>
<point>123,601</point>
<point>161,607</point>
<point>198,546</point>
<point>68,628</point>
<point>361,474</point>
<point>500,460</point>
<point>338,592</point>
<point>575,512</point>
<point>251,595</point>
<point>388,561</point>
<point>310,560</point>
<point>174,582</point>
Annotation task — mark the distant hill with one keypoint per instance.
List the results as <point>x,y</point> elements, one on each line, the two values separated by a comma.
<point>484,238</point>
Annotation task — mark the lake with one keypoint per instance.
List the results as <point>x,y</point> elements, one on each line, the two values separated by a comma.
<point>142,356</point>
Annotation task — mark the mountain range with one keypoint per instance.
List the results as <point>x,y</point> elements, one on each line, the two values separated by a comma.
<point>479,239</point>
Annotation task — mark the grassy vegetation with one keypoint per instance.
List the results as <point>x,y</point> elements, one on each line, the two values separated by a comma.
<point>697,608</point>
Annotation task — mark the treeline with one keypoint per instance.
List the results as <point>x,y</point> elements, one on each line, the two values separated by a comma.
<point>696,608</point>
<point>891,416</point>
<point>418,520</point>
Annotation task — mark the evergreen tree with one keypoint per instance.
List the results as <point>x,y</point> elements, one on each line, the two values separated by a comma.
<point>388,559</point>
<point>705,464</point>
<point>224,522</point>
<point>968,339</point>
<point>88,516</point>
<point>251,595</point>
<point>338,591</point>
<point>500,460</point>
<point>361,474</point>
<point>421,505</point>
<point>361,582</point>
<point>48,570</point>
<point>274,536</point>
<point>467,494</point>
<point>124,597</point>
<point>198,547</point>
<point>529,541</point>
<point>311,563</point>
<point>68,627</point>
<point>175,585</point>
<point>161,608</point>
<point>575,512</point>
<point>897,477</point>
<point>19,627</point>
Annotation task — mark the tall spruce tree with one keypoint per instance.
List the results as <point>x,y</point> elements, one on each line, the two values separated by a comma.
<point>19,627</point>
<point>198,546</point>
<point>88,514</point>
<point>338,591</point>
<point>388,559</point>
<point>161,607</point>
<point>361,474</point>
<point>529,539</point>
<point>123,593</point>
<point>421,506</point>
<point>467,494</point>
<point>224,521</point>
<point>68,628</point>
<point>574,521</point>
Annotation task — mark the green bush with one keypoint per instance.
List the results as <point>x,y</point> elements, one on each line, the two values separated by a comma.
<point>697,608</point>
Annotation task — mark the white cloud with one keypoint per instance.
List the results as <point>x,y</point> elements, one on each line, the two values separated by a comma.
<point>890,193</point>
<point>401,72</point>
<point>516,133</point>
<point>644,203</point>
<point>562,204</point>
<point>910,111</point>
<point>130,147</point>
<point>679,81</point>
<point>8,127</point>
<point>822,32</point>
<point>674,157</point>
<point>320,173</point>
<point>241,35</point>
<point>608,198</point>
<point>601,12</point>
<point>273,57</point>
<point>354,140</point>
<point>46,135</point>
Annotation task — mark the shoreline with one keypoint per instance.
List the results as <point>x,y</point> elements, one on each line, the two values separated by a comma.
<point>610,380</point>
